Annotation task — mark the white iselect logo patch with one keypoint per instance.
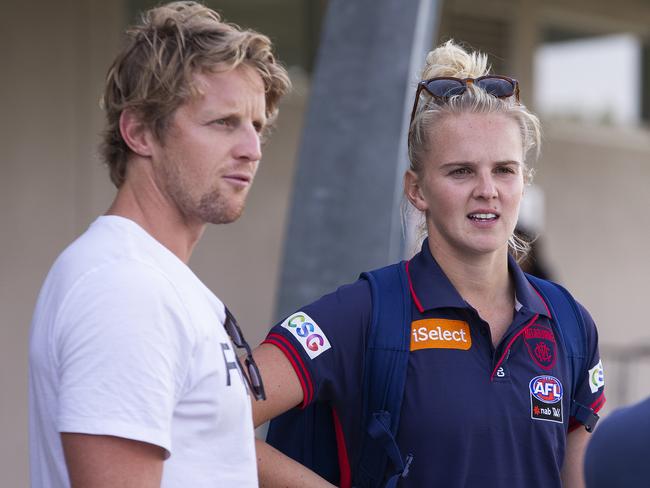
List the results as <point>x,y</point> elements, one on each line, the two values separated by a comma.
<point>596,377</point>
<point>309,335</point>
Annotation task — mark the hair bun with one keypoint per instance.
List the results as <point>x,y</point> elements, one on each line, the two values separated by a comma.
<point>450,59</point>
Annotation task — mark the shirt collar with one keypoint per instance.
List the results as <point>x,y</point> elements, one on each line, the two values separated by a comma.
<point>525,293</point>
<point>430,287</point>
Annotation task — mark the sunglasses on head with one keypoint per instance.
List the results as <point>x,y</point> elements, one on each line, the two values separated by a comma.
<point>252,374</point>
<point>444,87</point>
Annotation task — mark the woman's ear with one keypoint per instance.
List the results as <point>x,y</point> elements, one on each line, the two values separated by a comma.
<point>413,191</point>
<point>135,133</point>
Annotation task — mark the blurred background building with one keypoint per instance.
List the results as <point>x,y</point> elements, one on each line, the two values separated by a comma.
<point>584,66</point>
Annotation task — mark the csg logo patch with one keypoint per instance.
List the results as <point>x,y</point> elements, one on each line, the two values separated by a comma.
<point>546,399</point>
<point>596,377</point>
<point>307,332</point>
<point>440,334</point>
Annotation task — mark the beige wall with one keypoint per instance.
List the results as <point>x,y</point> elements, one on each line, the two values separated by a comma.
<point>596,181</point>
<point>51,74</point>
<point>598,221</point>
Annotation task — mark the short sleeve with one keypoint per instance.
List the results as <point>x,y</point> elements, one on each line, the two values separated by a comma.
<point>122,344</point>
<point>325,343</point>
<point>590,390</point>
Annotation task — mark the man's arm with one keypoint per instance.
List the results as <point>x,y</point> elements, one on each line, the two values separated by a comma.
<point>572,470</point>
<point>283,392</point>
<point>100,461</point>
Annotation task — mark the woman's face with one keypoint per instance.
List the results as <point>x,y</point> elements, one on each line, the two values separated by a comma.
<point>471,184</point>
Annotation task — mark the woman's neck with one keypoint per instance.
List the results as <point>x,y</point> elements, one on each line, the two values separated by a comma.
<point>479,278</point>
<point>484,282</point>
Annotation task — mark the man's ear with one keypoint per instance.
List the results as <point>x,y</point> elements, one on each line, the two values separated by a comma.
<point>135,133</point>
<point>413,191</point>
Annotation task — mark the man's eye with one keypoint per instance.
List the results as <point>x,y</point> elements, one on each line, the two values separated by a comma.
<point>225,122</point>
<point>460,171</point>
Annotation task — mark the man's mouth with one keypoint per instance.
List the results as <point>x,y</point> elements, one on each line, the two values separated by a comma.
<point>240,177</point>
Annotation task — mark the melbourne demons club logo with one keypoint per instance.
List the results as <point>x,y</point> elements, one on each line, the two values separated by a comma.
<point>541,345</point>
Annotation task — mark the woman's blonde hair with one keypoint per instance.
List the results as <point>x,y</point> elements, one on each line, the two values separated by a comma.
<point>153,73</point>
<point>451,60</point>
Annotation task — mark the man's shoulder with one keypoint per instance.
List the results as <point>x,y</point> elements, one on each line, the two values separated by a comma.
<point>107,239</point>
<point>114,299</point>
<point>80,268</point>
<point>115,251</point>
<point>104,268</point>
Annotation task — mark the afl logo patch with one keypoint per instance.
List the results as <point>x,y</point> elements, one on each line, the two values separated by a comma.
<point>547,389</point>
<point>546,399</point>
<point>541,345</point>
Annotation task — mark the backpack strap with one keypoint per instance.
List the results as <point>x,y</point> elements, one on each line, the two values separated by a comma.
<point>571,328</point>
<point>384,377</point>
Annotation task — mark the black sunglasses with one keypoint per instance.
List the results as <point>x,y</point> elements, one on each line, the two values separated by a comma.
<point>444,87</point>
<point>252,373</point>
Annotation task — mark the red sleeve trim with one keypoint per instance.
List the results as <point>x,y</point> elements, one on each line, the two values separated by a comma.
<point>595,406</point>
<point>296,361</point>
<point>599,403</point>
<point>344,462</point>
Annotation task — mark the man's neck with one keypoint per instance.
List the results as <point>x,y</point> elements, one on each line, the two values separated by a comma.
<point>140,200</point>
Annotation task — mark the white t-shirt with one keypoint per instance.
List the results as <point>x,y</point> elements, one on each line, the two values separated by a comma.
<point>126,341</point>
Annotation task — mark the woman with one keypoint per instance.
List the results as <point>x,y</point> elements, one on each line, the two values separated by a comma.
<point>484,367</point>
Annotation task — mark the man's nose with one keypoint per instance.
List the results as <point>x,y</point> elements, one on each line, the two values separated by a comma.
<point>248,146</point>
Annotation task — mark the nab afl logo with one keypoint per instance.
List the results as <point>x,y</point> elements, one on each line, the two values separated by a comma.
<point>540,342</point>
<point>547,389</point>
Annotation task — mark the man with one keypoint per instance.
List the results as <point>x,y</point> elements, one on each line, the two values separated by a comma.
<point>133,378</point>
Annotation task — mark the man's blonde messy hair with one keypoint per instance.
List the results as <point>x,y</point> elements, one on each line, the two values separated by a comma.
<point>153,73</point>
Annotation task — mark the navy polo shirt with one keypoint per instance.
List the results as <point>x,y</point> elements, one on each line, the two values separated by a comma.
<point>472,414</point>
